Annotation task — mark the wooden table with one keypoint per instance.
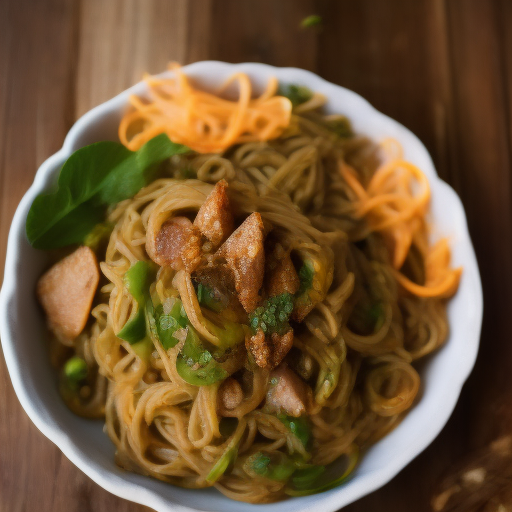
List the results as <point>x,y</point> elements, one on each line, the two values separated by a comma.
<point>442,68</point>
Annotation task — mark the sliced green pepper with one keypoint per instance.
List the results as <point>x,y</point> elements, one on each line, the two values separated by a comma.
<point>137,280</point>
<point>167,325</point>
<point>195,364</point>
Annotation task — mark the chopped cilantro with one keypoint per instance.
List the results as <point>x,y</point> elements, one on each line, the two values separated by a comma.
<point>273,315</point>
<point>297,94</point>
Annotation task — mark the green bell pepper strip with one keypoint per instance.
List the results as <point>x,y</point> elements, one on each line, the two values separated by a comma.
<point>137,280</point>
<point>196,365</point>
<point>167,325</point>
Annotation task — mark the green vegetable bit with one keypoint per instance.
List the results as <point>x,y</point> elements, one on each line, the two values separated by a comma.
<point>276,466</point>
<point>304,481</point>
<point>297,94</point>
<point>341,127</point>
<point>196,365</point>
<point>75,371</point>
<point>297,426</point>
<point>90,180</point>
<point>306,276</point>
<point>273,315</point>
<point>311,21</point>
<point>305,478</point>
<point>167,325</point>
<point>98,238</point>
<point>138,280</point>
<point>206,297</point>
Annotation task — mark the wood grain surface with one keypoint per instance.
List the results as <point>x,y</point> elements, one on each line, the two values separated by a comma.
<point>443,68</point>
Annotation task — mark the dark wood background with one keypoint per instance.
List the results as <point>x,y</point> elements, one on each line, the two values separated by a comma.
<point>443,68</point>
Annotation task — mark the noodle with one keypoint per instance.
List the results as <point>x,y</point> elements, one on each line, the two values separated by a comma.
<point>351,209</point>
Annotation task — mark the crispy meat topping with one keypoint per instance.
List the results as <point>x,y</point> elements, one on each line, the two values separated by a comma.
<point>214,219</point>
<point>66,292</point>
<point>245,256</point>
<point>176,245</point>
<point>287,393</point>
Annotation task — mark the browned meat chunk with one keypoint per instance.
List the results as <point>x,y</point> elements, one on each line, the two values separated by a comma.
<point>281,276</point>
<point>245,255</point>
<point>281,345</point>
<point>287,392</point>
<point>66,292</point>
<point>230,394</point>
<point>214,219</point>
<point>176,245</point>
<point>269,351</point>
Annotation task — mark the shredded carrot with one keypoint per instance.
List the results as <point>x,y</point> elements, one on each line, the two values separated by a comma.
<point>203,121</point>
<point>395,203</point>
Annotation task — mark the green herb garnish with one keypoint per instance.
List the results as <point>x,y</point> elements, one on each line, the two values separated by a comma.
<point>341,127</point>
<point>91,179</point>
<point>297,94</point>
<point>273,315</point>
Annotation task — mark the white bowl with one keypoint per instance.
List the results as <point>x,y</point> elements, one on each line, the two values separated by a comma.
<point>22,327</point>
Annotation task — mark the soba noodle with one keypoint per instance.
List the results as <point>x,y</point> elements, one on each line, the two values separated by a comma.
<point>360,367</point>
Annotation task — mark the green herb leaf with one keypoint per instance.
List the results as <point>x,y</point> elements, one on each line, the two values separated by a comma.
<point>311,21</point>
<point>273,314</point>
<point>92,178</point>
<point>341,127</point>
<point>297,94</point>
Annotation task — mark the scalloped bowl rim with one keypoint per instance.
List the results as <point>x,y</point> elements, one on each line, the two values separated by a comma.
<point>421,425</point>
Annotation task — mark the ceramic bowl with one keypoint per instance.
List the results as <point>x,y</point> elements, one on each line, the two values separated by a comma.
<point>22,326</point>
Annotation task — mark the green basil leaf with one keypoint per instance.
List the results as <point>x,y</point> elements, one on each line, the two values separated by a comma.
<point>92,178</point>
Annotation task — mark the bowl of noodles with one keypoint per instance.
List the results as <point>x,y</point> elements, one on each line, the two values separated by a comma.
<point>239,285</point>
